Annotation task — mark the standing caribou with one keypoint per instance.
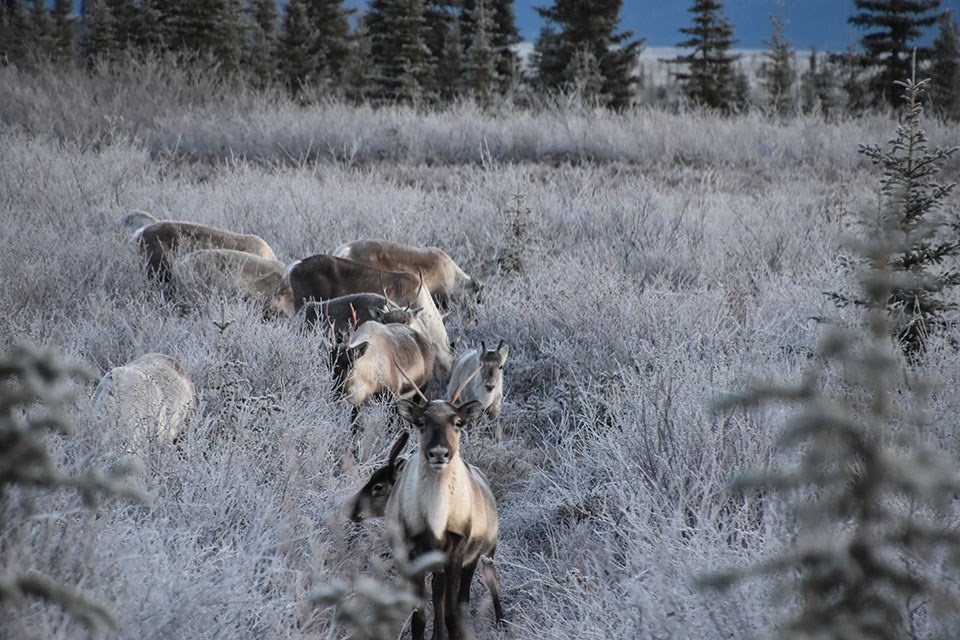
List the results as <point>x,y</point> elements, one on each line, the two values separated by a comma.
<point>487,387</point>
<point>322,277</point>
<point>159,240</point>
<point>442,276</point>
<point>440,503</point>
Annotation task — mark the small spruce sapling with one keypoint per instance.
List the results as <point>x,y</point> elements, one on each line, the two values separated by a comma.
<point>919,238</point>
<point>876,539</point>
<point>34,392</point>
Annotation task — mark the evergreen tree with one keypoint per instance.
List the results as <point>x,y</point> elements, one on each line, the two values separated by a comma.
<point>41,31</point>
<point>873,503</point>
<point>893,28</point>
<point>480,58</point>
<point>14,32</point>
<point>63,47</point>
<point>261,50</point>
<point>709,77</point>
<point>503,36</point>
<point>150,34</point>
<point>441,26</point>
<point>100,44</point>
<point>228,36</point>
<point>586,37</point>
<point>331,47</point>
<point>125,23</point>
<point>359,79</point>
<point>945,69</point>
<point>192,25</point>
<point>820,87</point>
<point>777,74</point>
<point>449,69</point>
<point>297,48</point>
<point>920,239</point>
<point>403,66</point>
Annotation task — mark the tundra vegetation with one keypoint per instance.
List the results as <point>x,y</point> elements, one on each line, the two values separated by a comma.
<point>665,257</point>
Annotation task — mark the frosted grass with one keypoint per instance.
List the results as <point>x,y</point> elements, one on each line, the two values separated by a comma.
<point>687,257</point>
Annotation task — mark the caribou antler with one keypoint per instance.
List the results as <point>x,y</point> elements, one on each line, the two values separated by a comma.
<point>407,378</point>
<point>463,385</point>
<point>383,287</point>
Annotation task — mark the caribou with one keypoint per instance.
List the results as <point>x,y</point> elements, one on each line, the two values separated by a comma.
<point>375,356</point>
<point>347,313</point>
<point>136,219</point>
<point>236,273</point>
<point>440,503</point>
<point>322,277</point>
<point>487,387</point>
<point>157,241</point>
<point>152,394</point>
<point>371,500</point>
<point>442,276</point>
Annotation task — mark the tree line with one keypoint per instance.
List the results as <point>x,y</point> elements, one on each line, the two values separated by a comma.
<point>436,51</point>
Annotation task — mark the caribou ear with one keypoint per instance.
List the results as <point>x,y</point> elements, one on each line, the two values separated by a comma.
<point>398,447</point>
<point>376,313</point>
<point>358,351</point>
<point>469,412</point>
<point>410,411</point>
<point>398,466</point>
<point>503,349</point>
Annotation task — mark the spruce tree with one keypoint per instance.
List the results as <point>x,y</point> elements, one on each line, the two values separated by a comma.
<point>331,47</point>
<point>63,46</point>
<point>441,25</point>
<point>359,78</point>
<point>100,44</point>
<point>585,31</point>
<point>192,25</point>
<point>893,29</point>
<point>921,239</point>
<point>777,74</point>
<point>449,69</point>
<point>479,77</point>
<point>709,78</point>
<point>503,35</point>
<point>41,31</point>
<point>227,36</point>
<point>945,69</point>
<point>125,13</point>
<point>297,51</point>
<point>14,32</point>
<point>874,506</point>
<point>261,50</point>
<point>403,65</point>
<point>150,35</point>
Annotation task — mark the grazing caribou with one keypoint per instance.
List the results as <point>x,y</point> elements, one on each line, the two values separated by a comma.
<point>371,500</point>
<point>487,387</point>
<point>440,503</point>
<point>135,219</point>
<point>159,240</point>
<point>236,273</point>
<point>442,276</point>
<point>322,277</point>
<point>153,395</point>
<point>346,313</point>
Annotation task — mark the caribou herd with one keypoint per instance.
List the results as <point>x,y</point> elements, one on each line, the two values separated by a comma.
<point>379,307</point>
